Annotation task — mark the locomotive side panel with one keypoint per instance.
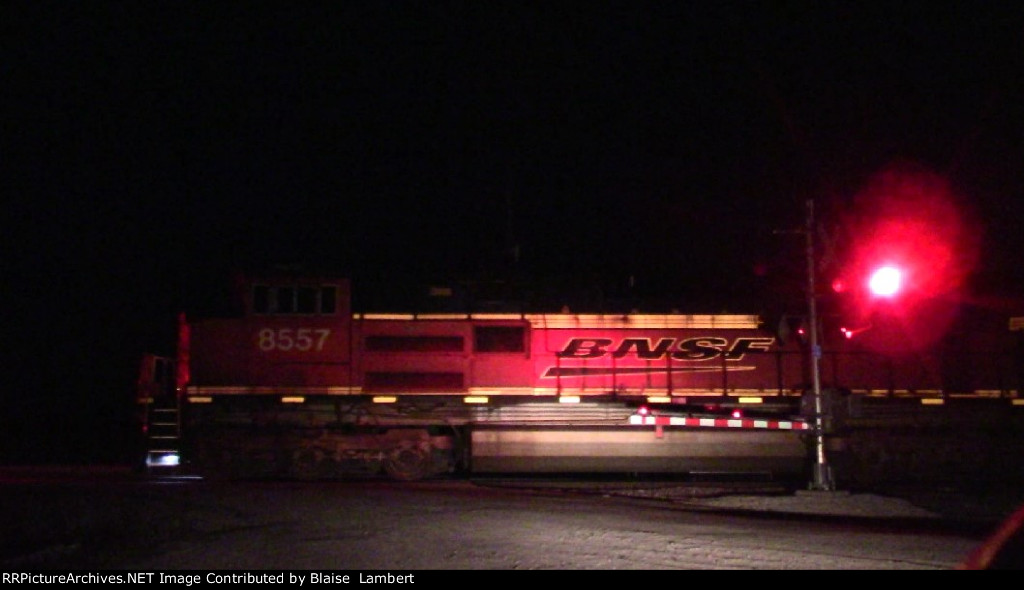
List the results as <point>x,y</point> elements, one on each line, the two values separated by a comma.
<point>623,356</point>
<point>502,363</point>
<point>412,357</point>
<point>271,352</point>
<point>293,334</point>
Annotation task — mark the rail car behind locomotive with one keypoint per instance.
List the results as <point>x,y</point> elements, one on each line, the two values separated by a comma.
<point>301,385</point>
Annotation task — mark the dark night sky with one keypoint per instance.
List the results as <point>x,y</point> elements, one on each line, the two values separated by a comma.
<point>150,149</point>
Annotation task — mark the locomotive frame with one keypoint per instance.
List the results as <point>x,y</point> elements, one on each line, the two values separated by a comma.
<point>300,385</point>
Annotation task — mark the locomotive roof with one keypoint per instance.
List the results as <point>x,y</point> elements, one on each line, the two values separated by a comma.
<point>494,294</point>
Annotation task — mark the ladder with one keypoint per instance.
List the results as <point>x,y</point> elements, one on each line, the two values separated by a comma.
<point>160,416</point>
<point>163,438</point>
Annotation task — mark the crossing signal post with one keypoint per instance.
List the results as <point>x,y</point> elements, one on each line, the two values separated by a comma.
<point>809,333</point>
<point>822,472</point>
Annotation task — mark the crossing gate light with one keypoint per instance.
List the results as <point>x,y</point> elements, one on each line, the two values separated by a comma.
<point>885,281</point>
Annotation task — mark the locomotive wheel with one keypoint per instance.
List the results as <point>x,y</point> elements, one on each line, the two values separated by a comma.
<point>407,463</point>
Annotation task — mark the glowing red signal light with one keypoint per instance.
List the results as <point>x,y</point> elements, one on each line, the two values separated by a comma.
<point>849,333</point>
<point>885,281</point>
<point>737,414</point>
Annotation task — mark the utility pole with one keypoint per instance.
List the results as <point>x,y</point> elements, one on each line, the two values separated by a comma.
<point>822,472</point>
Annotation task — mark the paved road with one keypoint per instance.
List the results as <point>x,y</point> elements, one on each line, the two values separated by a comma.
<point>116,521</point>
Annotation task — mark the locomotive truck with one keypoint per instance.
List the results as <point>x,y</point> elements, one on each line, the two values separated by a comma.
<point>301,384</point>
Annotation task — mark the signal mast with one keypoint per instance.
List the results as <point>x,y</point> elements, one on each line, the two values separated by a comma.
<point>822,475</point>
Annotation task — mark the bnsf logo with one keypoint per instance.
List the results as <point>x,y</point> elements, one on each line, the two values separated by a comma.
<point>687,349</point>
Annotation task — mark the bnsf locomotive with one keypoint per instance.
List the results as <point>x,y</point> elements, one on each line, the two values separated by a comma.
<point>299,384</point>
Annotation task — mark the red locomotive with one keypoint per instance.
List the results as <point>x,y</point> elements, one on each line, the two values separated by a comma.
<point>300,384</point>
